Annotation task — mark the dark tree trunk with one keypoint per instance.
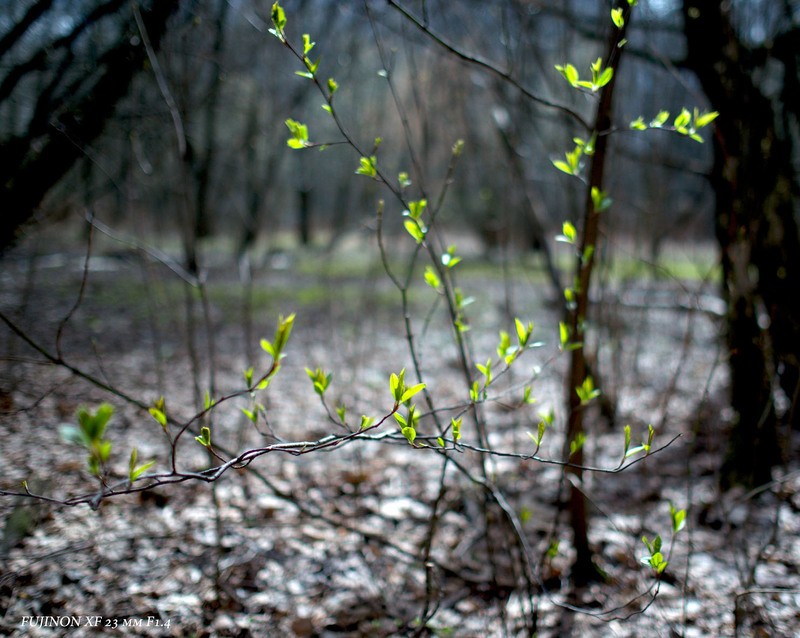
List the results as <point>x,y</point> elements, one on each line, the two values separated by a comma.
<point>67,117</point>
<point>757,234</point>
<point>203,225</point>
<point>304,216</point>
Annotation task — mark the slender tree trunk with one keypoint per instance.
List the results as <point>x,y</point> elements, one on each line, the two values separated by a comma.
<point>583,569</point>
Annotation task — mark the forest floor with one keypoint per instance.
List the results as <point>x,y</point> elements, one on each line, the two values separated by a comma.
<point>332,543</point>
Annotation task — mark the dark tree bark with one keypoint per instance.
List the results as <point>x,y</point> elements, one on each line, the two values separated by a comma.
<point>757,231</point>
<point>72,104</point>
<point>204,165</point>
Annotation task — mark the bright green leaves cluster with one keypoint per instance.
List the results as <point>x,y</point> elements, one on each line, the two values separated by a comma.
<point>408,424</point>
<point>685,123</point>
<point>368,166</point>
<point>90,434</point>
<point>449,259</point>
<point>205,437</point>
<point>134,470</point>
<point>275,347</point>
<point>278,16</point>
<point>460,303</point>
<point>333,86</point>
<point>299,134</point>
<point>545,421</point>
<point>577,443</point>
<point>565,338</point>
<point>586,391</point>
<point>432,278</point>
<point>403,395</point>
<point>678,518</point>
<point>617,18</point>
<point>573,164</point>
<point>159,412</point>
<point>568,233</point>
<point>486,371</point>
<point>600,200</point>
<point>321,381</point>
<point>252,414</point>
<point>414,225</point>
<point>311,67</point>
<point>508,351</point>
<point>645,447</point>
<point>455,429</point>
<point>655,557</point>
<point>600,76</point>
<point>400,392</point>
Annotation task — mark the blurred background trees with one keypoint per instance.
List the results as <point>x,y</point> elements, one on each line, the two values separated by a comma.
<point>165,119</point>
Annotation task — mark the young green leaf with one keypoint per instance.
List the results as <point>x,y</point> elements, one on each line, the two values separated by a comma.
<point>449,259</point>
<point>307,44</point>
<point>569,72</point>
<point>299,134</point>
<point>410,392</point>
<point>523,332</point>
<point>397,385</point>
<point>205,437</point>
<point>416,229</point>
<point>568,233</point>
<point>248,377</point>
<point>431,278</point>
<point>368,166</point>
<point>586,391</point>
<point>564,335</point>
<point>705,119</point>
<point>135,471</point>
<point>415,209</point>
<point>563,166</point>
<point>660,119</point>
<point>603,79</point>
<point>678,518</point>
<point>682,120</point>
<point>456,428</point>
<point>617,18</point>
<point>159,416</point>
<point>279,21</point>
<point>577,443</point>
<point>320,380</point>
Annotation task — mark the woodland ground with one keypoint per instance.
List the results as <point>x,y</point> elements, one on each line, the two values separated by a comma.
<point>329,544</point>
